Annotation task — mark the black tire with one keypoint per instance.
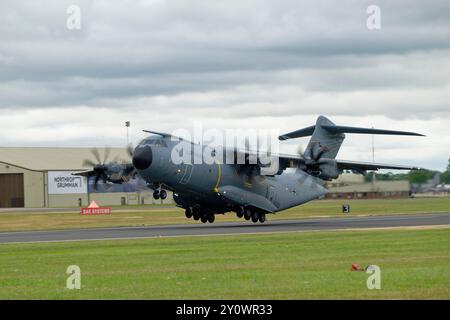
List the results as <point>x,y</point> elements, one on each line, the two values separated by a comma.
<point>211,218</point>
<point>255,217</point>
<point>262,217</point>
<point>189,212</point>
<point>156,194</point>
<point>163,194</point>
<point>204,218</point>
<point>247,214</point>
<point>240,212</point>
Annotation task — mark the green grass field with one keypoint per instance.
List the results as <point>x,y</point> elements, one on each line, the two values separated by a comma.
<point>415,264</point>
<point>157,215</point>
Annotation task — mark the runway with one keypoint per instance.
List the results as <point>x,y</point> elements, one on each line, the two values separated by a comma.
<point>227,228</point>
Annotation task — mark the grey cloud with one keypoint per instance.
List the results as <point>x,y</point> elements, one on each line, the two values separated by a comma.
<point>243,60</point>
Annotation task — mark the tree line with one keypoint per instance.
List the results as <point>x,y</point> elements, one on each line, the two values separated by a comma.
<point>418,176</point>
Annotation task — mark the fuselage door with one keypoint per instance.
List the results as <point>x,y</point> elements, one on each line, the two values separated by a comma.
<point>271,193</point>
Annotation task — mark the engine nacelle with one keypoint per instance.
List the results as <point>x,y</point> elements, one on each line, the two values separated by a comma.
<point>328,169</point>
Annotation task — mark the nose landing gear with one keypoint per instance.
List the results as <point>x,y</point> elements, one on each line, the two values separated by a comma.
<point>159,193</point>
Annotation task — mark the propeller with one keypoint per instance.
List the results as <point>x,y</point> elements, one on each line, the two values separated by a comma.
<point>130,150</point>
<point>99,166</point>
<point>312,157</point>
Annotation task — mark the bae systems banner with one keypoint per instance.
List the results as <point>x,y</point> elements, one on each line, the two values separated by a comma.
<point>63,182</point>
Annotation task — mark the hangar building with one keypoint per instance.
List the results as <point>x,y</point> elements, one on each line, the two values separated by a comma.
<point>42,177</point>
<point>353,186</point>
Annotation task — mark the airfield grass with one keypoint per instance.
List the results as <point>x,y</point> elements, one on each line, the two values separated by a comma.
<point>159,215</point>
<point>415,264</point>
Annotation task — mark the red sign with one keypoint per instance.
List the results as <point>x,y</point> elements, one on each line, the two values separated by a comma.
<point>93,208</point>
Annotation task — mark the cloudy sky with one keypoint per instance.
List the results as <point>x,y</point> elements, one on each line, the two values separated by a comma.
<point>253,64</point>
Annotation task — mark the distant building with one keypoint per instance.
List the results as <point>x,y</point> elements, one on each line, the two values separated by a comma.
<point>42,177</point>
<point>353,186</point>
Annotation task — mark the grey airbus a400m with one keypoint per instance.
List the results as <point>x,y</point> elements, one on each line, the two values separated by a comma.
<point>204,190</point>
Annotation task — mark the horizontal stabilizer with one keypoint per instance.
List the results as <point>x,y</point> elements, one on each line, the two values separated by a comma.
<point>327,126</point>
<point>342,129</point>
<point>368,166</point>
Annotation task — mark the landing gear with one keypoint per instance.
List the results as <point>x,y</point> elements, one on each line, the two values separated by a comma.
<point>196,216</point>
<point>255,217</point>
<point>262,217</point>
<point>159,193</point>
<point>240,212</point>
<point>208,217</point>
<point>247,214</point>
<point>197,213</point>
<point>189,212</point>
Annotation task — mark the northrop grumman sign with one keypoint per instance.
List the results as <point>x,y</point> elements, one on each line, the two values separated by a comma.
<point>63,182</point>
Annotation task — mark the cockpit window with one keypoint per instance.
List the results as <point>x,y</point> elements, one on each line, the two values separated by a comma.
<point>156,142</point>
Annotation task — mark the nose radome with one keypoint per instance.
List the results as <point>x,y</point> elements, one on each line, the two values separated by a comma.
<point>142,158</point>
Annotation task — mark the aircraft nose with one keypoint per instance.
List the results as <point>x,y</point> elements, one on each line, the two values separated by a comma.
<point>142,158</point>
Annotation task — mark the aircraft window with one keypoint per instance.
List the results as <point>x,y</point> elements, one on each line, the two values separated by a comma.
<point>156,142</point>
<point>150,141</point>
<point>161,143</point>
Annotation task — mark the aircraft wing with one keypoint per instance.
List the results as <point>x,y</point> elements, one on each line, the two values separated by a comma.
<point>364,166</point>
<point>292,161</point>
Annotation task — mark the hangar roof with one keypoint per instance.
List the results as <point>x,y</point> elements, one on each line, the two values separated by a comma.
<point>48,159</point>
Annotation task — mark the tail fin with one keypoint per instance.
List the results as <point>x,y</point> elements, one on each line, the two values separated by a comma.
<point>327,138</point>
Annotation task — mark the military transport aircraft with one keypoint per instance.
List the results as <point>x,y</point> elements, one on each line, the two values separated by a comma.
<point>205,190</point>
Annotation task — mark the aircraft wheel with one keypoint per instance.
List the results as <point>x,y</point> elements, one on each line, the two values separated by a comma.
<point>204,218</point>
<point>163,194</point>
<point>211,218</point>
<point>255,217</point>
<point>262,217</point>
<point>247,214</point>
<point>196,214</point>
<point>189,212</point>
<point>240,212</point>
<point>156,194</point>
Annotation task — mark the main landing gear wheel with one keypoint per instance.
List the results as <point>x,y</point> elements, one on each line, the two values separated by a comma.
<point>262,217</point>
<point>240,212</point>
<point>189,212</point>
<point>255,217</point>
<point>156,194</point>
<point>163,194</point>
<point>211,218</point>
<point>247,214</point>
<point>204,218</point>
<point>196,214</point>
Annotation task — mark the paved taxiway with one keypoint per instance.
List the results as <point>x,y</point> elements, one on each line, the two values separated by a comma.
<point>228,228</point>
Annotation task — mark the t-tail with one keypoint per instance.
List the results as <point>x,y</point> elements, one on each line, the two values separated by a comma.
<point>319,158</point>
<point>327,138</point>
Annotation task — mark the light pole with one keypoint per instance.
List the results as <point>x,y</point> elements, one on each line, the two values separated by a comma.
<point>127,124</point>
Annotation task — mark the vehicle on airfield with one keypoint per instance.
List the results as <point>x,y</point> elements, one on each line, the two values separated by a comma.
<point>245,187</point>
